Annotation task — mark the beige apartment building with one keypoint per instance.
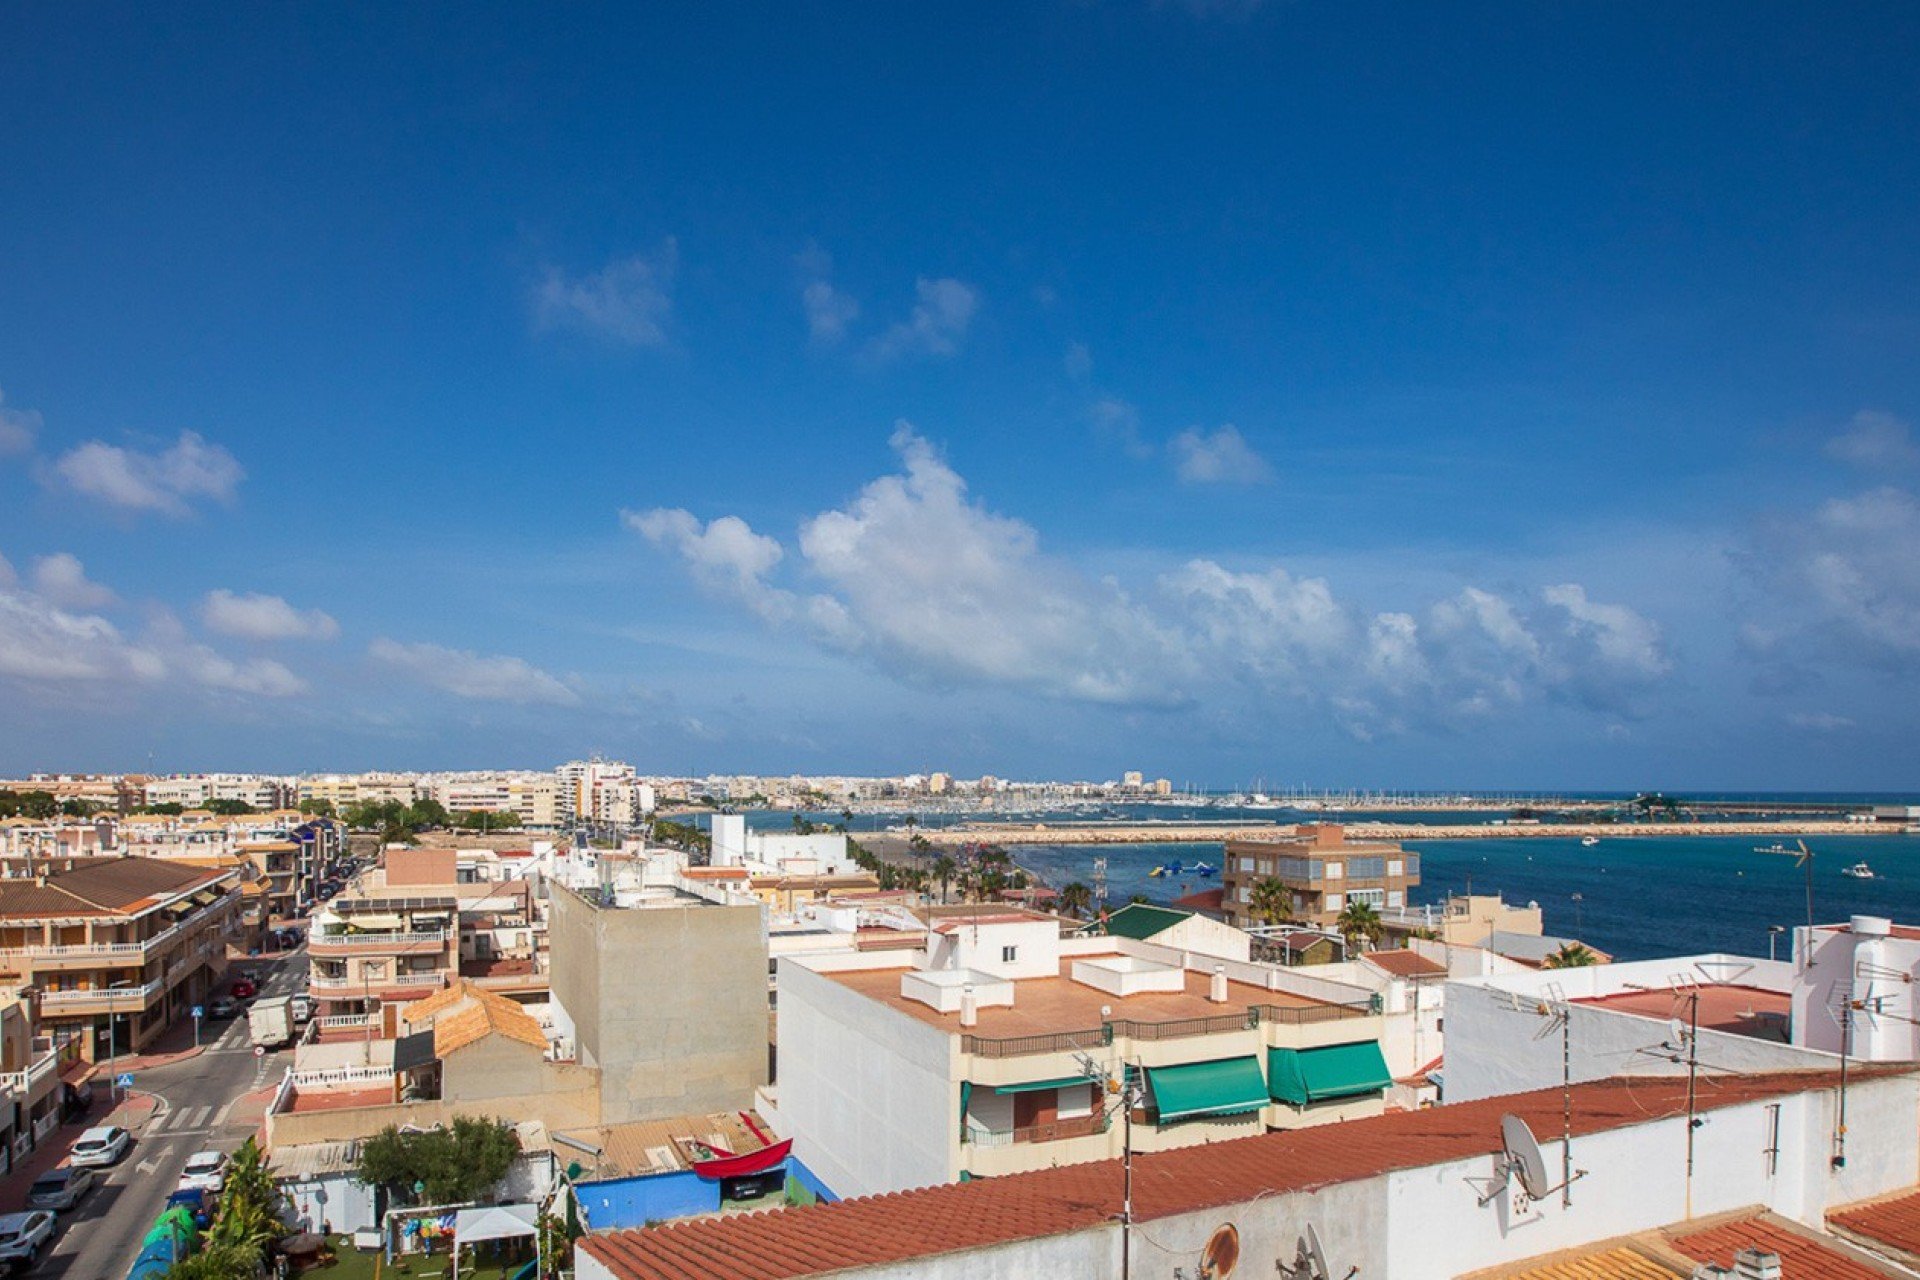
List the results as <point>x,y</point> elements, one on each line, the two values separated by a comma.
<point>117,948</point>
<point>1323,872</point>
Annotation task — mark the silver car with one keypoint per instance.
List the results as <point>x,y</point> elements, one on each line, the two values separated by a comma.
<point>22,1235</point>
<point>59,1189</point>
<point>101,1146</point>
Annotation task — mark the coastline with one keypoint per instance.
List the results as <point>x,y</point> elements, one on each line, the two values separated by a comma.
<point>1215,833</point>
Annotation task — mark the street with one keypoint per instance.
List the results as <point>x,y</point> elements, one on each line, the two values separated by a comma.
<point>193,1105</point>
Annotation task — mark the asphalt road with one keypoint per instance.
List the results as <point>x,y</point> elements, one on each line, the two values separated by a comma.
<point>194,1100</point>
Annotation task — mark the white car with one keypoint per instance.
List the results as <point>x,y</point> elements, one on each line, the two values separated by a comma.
<point>23,1234</point>
<point>206,1171</point>
<point>100,1147</point>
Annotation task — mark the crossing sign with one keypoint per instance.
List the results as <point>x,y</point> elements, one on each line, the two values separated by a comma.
<point>199,1011</point>
<point>124,1080</point>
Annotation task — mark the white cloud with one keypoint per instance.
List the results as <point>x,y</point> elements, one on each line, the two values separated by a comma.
<point>255,616</point>
<point>931,586</point>
<point>1819,721</point>
<point>167,481</point>
<point>1840,582</point>
<point>18,429</point>
<point>629,301</point>
<point>829,310</point>
<point>1875,441</point>
<point>7,576</point>
<point>1116,420</point>
<point>941,315</point>
<point>724,555</point>
<point>1221,456</point>
<point>496,678</point>
<point>262,676</point>
<point>61,580</point>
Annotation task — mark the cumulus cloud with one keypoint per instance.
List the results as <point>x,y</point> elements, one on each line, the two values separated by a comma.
<point>1116,420</point>
<point>1078,362</point>
<point>1875,441</point>
<point>1221,456</point>
<point>928,584</point>
<point>628,301</point>
<point>943,311</point>
<point>829,310</point>
<point>490,678</point>
<point>1840,582</point>
<point>18,429</point>
<point>62,580</point>
<point>262,676</point>
<point>168,481</point>
<point>254,616</point>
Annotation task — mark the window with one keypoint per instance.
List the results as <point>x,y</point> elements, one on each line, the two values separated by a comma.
<point>1395,867</point>
<point>1007,954</point>
<point>1395,898</point>
<point>1333,871</point>
<point>1246,893</point>
<point>1372,897</point>
<point>1246,864</point>
<point>1335,902</point>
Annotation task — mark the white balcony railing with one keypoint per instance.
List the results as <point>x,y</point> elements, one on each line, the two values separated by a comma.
<point>341,1077</point>
<point>128,998</point>
<point>35,1074</point>
<point>353,986</point>
<point>140,950</point>
<point>395,940</point>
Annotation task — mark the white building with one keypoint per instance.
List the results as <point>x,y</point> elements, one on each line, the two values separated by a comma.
<point>1859,976</point>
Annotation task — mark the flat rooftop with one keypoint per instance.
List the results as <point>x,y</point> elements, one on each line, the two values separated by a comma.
<point>1043,1006</point>
<point>1728,1007</point>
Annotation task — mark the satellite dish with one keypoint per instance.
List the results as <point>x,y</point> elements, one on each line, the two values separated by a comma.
<point>1676,1031</point>
<point>1222,1253</point>
<point>1524,1158</point>
<point>1316,1257</point>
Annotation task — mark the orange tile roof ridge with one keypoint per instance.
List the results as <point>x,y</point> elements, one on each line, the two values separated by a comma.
<point>869,1231</point>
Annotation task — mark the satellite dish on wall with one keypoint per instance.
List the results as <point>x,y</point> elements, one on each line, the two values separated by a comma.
<point>1676,1032</point>
<point>1316,1256</point>
<point>1525,1160</point>
<point>1222,1253</point>
<point>1310,1260</point>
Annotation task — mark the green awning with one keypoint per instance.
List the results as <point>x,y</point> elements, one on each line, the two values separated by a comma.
<point>1034,1086</point>
<point>1227,1087</point>
<point>1301,1076</point>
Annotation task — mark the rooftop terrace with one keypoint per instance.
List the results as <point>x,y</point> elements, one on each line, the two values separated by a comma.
<point>1729,1007</point>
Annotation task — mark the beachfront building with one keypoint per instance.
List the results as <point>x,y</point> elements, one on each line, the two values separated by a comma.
<point>1322,873</point>
<point>1463,919</point>
<point>117,947</point>
<point>1671,1180</point>
<point>996,1046</point>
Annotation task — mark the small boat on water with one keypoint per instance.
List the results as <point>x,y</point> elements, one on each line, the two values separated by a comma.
<point>1859,871</point>
<point>1587,842</point>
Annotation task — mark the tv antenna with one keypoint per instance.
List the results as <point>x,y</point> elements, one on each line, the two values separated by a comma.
<point>1310,1261</point>
<point>1802,858</point>
<point>1522,1161</point>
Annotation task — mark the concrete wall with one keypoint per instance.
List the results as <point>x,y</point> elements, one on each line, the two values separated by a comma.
<point>579,1109</point>
<point>869,1095</point>
<point>339,1201</point>
<point>1878,972</point>
<point>500,1068</point>
<point>670,1003</point>
<point>422,866</point>
<point>1494,1047</point>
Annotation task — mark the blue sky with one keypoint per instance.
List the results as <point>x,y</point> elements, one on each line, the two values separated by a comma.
<point>1340,395</point>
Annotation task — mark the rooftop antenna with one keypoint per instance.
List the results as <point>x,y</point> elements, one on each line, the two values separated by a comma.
<point>1310,1260</point>
<point>1522,1160</point>
<point>1802,858</point>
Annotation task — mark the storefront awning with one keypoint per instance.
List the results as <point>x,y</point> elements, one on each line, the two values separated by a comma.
<point>1226,1087</point>
<point>1034,1086</point>
<point>376,924</point>
<point>1301,1076</point>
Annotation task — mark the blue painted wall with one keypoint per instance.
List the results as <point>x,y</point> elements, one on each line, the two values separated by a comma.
<point>807,1178</point>
<point>634,1202</point>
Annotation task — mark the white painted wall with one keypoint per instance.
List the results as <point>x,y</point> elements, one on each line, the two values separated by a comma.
<point>982,947</point>
<point>1881,971</point>
<point>820,854</point>
<point>729,832</point>
<point>869,1095</point>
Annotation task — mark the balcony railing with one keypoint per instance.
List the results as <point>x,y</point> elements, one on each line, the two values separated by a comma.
<point>1296,1014</point>
<point>393,941</point>
<point>1077,1127</point>
<point>128,998</point>
<point>341,1077</point>
<point>353,986</point>
<point>1124,1028</point>
<point>1020,1046</point>
<point>140,950</point>
<point>34,1074</point>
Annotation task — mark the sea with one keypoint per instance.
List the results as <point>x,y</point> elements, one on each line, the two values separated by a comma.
<point>1635,897</point>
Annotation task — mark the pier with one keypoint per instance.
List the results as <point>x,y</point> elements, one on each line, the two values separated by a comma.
<point>1219,832</point>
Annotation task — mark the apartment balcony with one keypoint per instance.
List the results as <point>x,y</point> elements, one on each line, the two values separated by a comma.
<point>1055,1131</point>
<point>89,954</point>
<point>404,986</point>
<point>397,943</point>
<point>995,1154</point>
<point>101,999</point>
<point>29,1080</point>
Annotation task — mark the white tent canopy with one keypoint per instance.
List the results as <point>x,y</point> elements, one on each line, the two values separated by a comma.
<point>495,1222</point>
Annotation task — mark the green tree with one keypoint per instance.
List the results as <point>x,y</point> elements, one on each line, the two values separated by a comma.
<point>216,1262</point>
<point>1076,899</point>
<point>228,808</point>
<point>1270,901</point>
<point>317,807</point>
<point>1361,926</point>
<point>943,869</point>
<point>77,808</point>
<point>28,804</point>
<point>168,809</point>
<point>459,1162</point>
<point>1571,955</point>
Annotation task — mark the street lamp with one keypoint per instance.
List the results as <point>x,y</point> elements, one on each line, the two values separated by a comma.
<point>1773,936</point>
<point>113,1047</point>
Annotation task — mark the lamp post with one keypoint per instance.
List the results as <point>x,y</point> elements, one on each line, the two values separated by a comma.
<point>113,1046</point>
<point>1773,936</point>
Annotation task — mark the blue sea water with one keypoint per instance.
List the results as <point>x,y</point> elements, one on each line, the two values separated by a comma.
<point>1641,896</point>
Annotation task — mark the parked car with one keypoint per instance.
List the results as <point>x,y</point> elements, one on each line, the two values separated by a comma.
<point>60,1189</point>
<point>302,1006</point>
<point>244,990</point>
<point>205,1171</point>
<point>22,1234</point>
<point>222,1008</point>
<point>101,1146</point>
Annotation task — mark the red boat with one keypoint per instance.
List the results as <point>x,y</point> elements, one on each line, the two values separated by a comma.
<point>725,1165</point>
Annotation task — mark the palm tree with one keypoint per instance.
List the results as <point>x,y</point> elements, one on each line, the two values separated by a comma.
<point>1075,899</point>
<point>1269,901</point>
<point>1360,925</point>
<point>943,869</point>
<point>1571,955</point>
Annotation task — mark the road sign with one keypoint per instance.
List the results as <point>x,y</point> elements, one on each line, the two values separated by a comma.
<point>259,1051</point>
<point>124,1080</point>
<point>199,1011</point>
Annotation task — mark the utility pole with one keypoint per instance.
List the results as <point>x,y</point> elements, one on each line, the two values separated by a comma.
<point>1693,1072</point>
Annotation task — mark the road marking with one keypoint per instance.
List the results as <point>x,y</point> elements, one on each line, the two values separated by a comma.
<point>221,1119</point>
<point>198,1118</point>
<point>147,1166</point>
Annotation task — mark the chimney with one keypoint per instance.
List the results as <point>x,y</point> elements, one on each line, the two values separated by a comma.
<point>1217,989</point>
<point>1751,1264</point>
<point>969,1008</point>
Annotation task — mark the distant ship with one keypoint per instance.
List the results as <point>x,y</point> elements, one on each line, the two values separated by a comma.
<point>1859,871</point>
<point>1588,842</point>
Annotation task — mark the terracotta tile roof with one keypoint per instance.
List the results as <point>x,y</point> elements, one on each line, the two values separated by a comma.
<point>1894,1223</point>
<point>1619,1263</point>
<point>100,886</point>
<point>1212,901</point>
<point>462,1014</point>
<point>1801,1257</point>
<point>1405,964</point>
<point>871,1230</point>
